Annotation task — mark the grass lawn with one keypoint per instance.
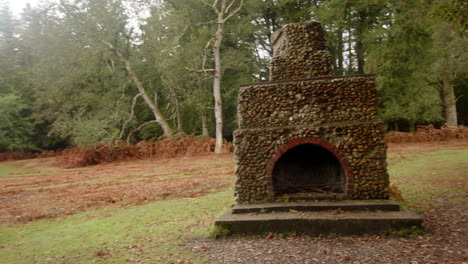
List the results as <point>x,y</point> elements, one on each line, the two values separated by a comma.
<point>6,172</point>
<point>155,231</point>
<point>423,177</point>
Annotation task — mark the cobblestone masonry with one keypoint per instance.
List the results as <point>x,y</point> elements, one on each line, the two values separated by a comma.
<point>337,113</point>
<point>299,52</point>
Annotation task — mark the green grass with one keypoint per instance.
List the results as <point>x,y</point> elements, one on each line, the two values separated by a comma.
<point>424,177</point>
<point>155,232</point>
<point>152,232</point>
<point>6,172</point>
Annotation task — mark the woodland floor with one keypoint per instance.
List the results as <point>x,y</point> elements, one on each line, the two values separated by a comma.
<point>33,193</point>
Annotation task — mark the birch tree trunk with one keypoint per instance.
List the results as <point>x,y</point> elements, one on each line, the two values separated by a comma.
<point>223,12</point>
<point>449,102</point>
<point>217,81</point>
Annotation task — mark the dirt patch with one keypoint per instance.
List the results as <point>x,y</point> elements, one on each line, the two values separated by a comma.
<point>46,191</point>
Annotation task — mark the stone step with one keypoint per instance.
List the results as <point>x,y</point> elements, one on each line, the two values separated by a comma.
<point>348,223</point>
<point>345,205</point>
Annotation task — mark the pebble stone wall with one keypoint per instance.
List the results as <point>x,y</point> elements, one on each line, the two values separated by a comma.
<point>337,113</point>
<point>299,52</point>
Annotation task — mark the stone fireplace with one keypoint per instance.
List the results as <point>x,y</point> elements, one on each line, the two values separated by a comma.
<point>310,153</point>
<point>307,134</point>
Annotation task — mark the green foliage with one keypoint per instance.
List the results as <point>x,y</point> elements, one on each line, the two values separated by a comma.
<point>400,54</point>
<point>413,231</point>
<point>6,172</point>
<point>16,128</point>
<point>150,132</point>
<point>452,11</point>
<point>69,87</point>
<point>219,232</point>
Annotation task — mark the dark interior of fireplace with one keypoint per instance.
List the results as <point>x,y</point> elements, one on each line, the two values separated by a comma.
<point>308,168</point>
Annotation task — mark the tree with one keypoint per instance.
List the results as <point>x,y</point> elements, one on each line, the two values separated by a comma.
<point>348,25</point>
<point>101,28</point>
<point>453,12</point>
<point>16,128</point>
<point>400,54</point>
<point>451,63</point>
<point>159,117</point>
<point>16,124</point>
<point>224,11</point>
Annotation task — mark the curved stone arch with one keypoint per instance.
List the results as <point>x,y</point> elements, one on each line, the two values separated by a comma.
<point>348,175</point>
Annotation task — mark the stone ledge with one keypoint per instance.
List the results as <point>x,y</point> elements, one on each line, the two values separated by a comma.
<point>355,76</point>
<point>347,223</point>
<point>323,125</point>
<point>345,205</point>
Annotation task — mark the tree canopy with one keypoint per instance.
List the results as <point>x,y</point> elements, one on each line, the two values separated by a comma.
<point>81,72</point>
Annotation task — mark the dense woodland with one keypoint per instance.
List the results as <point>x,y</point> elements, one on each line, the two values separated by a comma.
<point>82,72</point>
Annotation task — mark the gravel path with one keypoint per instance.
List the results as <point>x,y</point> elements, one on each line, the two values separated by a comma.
<point>446,241</point>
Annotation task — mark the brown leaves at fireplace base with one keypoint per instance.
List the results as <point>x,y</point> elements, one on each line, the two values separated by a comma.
<point>395,193</point>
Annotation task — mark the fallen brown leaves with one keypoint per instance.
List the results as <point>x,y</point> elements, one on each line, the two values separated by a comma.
<point>166,148</point>
<point>51,191</point>
<point>427,134</point>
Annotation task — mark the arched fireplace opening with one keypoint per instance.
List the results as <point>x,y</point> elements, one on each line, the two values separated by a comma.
<point>308,168</point>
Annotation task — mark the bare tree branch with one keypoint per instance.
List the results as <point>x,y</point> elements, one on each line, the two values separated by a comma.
<point>138,128</point>
<point>229,6</point>
<point>130,116</point>
<point>134,77</point>
<point>213,6</point>
<point>202,70</point>
<point>208,44</point>
<point>207,23</point>
<point>235,10</point>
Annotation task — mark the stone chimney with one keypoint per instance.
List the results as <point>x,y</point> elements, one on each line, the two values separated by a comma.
<point>299,52</point>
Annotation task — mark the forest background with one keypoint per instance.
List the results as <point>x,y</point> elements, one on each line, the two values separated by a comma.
<point>82,72</point>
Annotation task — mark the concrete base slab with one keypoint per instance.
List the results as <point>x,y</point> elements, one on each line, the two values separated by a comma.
<point>316,221</point>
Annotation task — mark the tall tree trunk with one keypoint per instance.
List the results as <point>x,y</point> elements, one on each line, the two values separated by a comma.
<point>339,48</point>
<point>449,102</point>
<point>159,117</point>
<point>204,126</point>
<point>217,84</point>
<point>360,56</point>
<point>359,45</point>
<point>223,12</point>
<point>412,125</point>
<point>350,52</point>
